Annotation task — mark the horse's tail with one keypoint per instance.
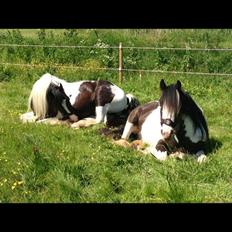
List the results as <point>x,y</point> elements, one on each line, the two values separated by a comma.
<point>37,101</point>
<point>132,102</point>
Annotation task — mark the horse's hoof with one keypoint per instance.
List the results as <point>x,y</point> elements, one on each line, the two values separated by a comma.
<point>75,125</point>
<point>201,159</point>
<point>161,155</point>
<point>27,117</point>
<point>178,155</point>
<point>122,142</point>
<point>138,145</point>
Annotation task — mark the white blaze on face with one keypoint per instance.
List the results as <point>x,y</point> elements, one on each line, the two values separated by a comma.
<point>64,104</point>
<point>167,114</point>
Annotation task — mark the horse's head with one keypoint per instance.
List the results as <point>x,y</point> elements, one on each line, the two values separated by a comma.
<point>170,103</point>
<point>60,101</point>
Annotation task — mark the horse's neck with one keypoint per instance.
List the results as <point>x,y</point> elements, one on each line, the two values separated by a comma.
<point>193,132</point>
<point>57,80</point>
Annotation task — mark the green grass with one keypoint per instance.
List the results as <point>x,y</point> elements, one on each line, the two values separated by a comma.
<point>58,164</point>
<point>42,163</point>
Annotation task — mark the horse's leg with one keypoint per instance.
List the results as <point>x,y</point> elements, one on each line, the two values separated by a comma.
<point>129,128</point>
<point>180,153</point>
<point>200,156</point>
<point>101,113</point>
<point>28,117</point>
<point>54,121</point>
<point>86,122</point>
<point>138,145</point>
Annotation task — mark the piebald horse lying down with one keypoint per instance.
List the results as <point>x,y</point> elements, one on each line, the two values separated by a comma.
<point>80,104</point>
<point>174,125</point>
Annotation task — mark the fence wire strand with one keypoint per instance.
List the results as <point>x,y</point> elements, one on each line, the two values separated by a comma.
<point>114,69</point>
<point>116,47</point>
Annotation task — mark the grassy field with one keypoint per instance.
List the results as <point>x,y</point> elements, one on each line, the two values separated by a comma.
<point>42,163</point>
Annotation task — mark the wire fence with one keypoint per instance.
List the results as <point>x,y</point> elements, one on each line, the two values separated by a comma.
<point>116,47</point>
<point>113,69</point>
<point>121,69</point>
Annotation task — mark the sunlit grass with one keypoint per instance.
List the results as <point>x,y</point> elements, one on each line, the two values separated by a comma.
<point>42,163</point>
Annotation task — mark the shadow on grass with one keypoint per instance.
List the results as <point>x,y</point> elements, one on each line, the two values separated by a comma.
<point>213,145</point>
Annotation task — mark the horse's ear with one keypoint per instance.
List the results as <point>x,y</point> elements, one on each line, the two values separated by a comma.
<point>162,85</point>
<point>178,84</point>
<point>61,87</point>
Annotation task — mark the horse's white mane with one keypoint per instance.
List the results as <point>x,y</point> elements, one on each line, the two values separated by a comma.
<point>38,95</point>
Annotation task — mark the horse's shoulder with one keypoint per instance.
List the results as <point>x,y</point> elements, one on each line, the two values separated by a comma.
<point>87,86</point>
<point>140,113</point>
<point>104,82</point>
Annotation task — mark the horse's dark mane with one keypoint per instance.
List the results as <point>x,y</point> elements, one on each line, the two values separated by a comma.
<point>187,107</point>
<point>190,108</point>
<point>169,97</point>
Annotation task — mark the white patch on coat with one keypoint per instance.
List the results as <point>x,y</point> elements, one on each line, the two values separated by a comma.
<point>151,128</point>
<point>119,102</point>
<point>166,129</point>
<point>194,136</point>
<point>72,90</point>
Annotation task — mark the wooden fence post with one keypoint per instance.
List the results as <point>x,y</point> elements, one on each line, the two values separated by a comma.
<point>120,56</point>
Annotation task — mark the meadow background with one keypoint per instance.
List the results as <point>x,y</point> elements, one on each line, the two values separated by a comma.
<point>43,163</point>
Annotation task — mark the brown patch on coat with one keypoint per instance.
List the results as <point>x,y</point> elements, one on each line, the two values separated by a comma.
<point>140,113</point>
<point>92,94</point>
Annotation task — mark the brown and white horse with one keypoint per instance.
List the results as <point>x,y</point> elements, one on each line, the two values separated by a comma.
<point>53,100</point>
<point>174,124</point>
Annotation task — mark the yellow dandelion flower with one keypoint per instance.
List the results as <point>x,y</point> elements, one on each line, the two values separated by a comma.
<point>20,182</point>
<point>5,180</point>
<point>13,187</point>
